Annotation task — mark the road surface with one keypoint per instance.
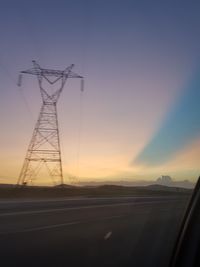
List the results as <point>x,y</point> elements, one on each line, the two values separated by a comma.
<point>128,231</point>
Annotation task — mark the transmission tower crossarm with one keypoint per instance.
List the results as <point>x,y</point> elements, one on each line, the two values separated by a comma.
<point>49,72</point>
<point>37,70</point>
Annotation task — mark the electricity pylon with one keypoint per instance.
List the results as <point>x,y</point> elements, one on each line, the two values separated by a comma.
<point>44,147</point>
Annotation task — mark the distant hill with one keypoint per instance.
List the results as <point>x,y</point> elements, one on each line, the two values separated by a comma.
<point>7,185</point>
<point>167,188</point>
<point>167,180</point>
<point>163,180</point>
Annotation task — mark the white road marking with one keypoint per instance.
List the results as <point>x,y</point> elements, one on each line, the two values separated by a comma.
<point>108,235</point>
<point>47,227</point>
<point>78,208</point>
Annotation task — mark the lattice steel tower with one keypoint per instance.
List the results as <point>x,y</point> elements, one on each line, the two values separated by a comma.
<point>44,147</point>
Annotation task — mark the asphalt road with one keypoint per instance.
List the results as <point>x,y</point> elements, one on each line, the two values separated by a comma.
<point>129,231</point>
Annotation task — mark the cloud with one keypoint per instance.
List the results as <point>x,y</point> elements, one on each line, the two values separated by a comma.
<point>180,127</point>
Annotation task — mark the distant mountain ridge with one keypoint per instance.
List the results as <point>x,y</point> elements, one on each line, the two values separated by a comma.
<point>167,180</point>
<point>163,180</point>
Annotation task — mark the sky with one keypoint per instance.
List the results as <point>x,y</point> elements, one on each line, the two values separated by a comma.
<point>139,115</point>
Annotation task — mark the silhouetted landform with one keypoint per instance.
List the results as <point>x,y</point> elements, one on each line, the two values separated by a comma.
<point>7,185</point>
<point>167,180</point>
<point>14,192</point>
<point>163,180</point>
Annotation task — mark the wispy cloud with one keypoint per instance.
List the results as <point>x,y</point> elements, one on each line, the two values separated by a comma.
<point>180,127</point>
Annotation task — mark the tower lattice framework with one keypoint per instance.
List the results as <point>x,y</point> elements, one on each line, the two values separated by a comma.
<point>44,148</point>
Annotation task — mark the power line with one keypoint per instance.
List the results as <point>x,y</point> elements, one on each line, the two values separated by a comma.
<point>80,128</point>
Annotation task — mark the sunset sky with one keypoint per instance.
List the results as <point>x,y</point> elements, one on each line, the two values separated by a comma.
<point>140,109</point>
